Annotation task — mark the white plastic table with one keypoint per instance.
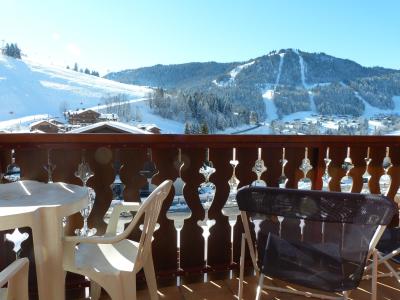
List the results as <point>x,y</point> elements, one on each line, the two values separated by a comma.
<point>42,206</point>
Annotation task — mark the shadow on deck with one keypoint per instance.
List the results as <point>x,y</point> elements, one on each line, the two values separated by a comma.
<point>221,289</point>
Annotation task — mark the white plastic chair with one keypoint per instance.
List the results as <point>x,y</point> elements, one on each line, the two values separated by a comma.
<point>16,274</point>
<point>112,261</point>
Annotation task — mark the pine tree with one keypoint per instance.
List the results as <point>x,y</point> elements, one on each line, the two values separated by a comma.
<point>12,50</point>
<point>87,71</point>
<point>76,67</point>
<point>17,52</point>
<point>187,128</point>
<point>67,67</point>
<point>204,128</point>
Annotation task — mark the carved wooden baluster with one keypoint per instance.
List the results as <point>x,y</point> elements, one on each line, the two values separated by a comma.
<point>282,181</point>
<point>259,168</point>
<point>117,187</point>
<point>178,212</point>
<point>385,180</point>
<point>13,171</point>
<point>12,174</point>
<point>84,173</point>
<point>231,209</point>
<point>305,182</point>
<point>346,182</point>
<point>366,176</point>
<point>326,178</point>
<point>49,167</point>
<point>149,171</point>
<point>206,192</point>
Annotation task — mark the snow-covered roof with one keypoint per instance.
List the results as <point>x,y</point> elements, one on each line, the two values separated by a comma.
<point>42,121</point>
<point>148,126</point>
<point>118,126</point>
<point>79,111</point>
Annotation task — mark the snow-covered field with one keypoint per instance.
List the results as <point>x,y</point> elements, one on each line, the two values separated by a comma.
<point>28,88</point>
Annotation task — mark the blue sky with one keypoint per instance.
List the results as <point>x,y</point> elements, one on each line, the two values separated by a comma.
<point>115,35</point>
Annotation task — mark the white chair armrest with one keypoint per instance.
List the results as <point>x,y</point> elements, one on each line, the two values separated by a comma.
<point>20,265</point>
<point>117,210</point>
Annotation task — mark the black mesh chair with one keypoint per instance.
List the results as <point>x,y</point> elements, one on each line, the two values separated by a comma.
<point>319,240</point>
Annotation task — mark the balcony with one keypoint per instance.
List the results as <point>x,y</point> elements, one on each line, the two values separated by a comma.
<point>199,234</point>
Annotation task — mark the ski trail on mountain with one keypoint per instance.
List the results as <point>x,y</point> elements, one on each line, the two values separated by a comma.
<point>278,77</point>
<point>303,81</point>
<point>268,94</point>
<point>235,72</point>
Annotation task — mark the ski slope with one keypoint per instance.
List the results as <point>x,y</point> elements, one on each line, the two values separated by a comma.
<point>28,88</point>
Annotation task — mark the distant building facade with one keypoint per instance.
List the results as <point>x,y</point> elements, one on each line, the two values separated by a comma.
<point>46,126</point>
<point>88,116</point>
<point>83,116</point>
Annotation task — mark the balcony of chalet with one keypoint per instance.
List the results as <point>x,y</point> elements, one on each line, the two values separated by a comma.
<point>197,246</point>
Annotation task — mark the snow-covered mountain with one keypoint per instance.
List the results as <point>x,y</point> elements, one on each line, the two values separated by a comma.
<point>289,80</point>
<point>29,88</point>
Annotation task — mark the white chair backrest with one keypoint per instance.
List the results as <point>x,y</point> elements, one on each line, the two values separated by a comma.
<point>150,208</point>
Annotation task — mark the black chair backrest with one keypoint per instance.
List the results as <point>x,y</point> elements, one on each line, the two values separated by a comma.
<point>324,238</point>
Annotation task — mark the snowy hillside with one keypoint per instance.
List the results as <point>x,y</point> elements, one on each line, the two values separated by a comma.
<point>28,88</point>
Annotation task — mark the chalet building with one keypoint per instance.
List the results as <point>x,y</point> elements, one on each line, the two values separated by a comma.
<point>82,116</point>
<point>46,126</point>
<point>88,116</point>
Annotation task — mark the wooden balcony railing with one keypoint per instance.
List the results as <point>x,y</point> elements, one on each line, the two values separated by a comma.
<point>105,153</point>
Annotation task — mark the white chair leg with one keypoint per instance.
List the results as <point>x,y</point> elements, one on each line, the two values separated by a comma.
<point>95,290</point>
<point>374,275</point>
<point>345,295</point>
<point>391,269</point>
<point>148,268</point>
<point>241,272</point>
<point>260,286</point>
<point>128,281</point>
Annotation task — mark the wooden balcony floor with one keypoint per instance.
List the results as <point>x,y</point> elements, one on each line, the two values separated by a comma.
<point>221,289</point>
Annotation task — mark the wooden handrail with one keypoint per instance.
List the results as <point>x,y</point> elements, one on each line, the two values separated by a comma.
<point>27,140</point>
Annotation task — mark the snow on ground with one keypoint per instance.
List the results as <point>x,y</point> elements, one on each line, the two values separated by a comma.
<point>166,125</point>
<point>28,88</point>
<point>233,75</point>
<point>247,129</point>
<point>301,115</point>
<point>270,107</point>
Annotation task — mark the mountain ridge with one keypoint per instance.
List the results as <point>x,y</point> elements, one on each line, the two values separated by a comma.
<point>292,80</point>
